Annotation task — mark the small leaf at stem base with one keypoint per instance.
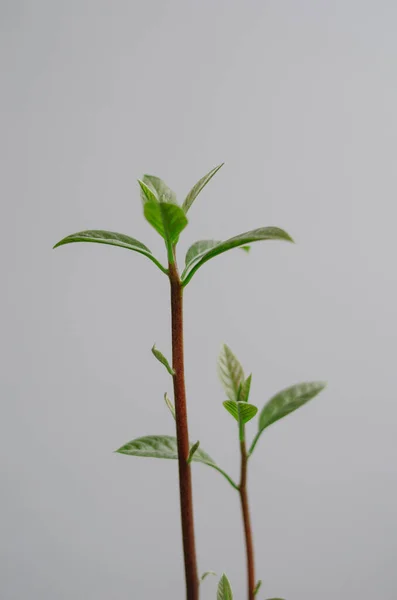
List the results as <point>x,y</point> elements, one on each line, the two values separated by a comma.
<point>205,575</point>
<point>161,358</point>
<point>170,405</point>
<point>224,589</point>
<point>257,587</point>
<point>193,449</point>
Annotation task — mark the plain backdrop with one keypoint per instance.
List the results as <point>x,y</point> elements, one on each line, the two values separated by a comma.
<point>299,99</point>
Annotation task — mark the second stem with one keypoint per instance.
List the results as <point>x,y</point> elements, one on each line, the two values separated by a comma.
<point>249,544</point>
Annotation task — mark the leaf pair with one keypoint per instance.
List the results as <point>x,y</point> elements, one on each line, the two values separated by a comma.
<point>238,388</point>
<point>169,219</point>
<point>163,212</point>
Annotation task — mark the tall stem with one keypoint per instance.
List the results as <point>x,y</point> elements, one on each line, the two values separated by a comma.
<point>249,545</point>
<point>182,434</point>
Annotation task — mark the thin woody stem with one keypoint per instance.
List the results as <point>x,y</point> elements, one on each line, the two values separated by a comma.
<point>249,545</point>
<point>182,434</point>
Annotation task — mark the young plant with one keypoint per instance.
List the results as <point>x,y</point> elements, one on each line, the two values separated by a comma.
<point>169,219</point>
<point>237,389</point>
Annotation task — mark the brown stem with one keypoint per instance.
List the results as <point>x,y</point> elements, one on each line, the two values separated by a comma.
<point>249,545</point>
<point>182,434</point>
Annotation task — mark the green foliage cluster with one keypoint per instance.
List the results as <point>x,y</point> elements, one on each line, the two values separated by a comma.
<point>169,219</point>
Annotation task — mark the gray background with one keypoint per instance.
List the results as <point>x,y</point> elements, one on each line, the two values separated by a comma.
<point>299,99</point>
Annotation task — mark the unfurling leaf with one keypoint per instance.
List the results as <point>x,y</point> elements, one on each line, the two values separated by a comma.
<point>159,189</point>
<point>205,575</point>
<point>165,446</point>
<point>196,189</point>
<point>241,411</point>
<point>193,449</point>
<point>284,403</point>
<point>257,587</point>
<point>167,219</point>
<point>230,372</point>
<point>256,235</point>
<point>99,236</point>
<point>161,358</point>
<point>160,209</point>
<point>224,589</point>
<point>245,389</point>
<point>169,404</point>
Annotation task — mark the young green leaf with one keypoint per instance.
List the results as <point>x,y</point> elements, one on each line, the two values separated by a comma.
<point>161,358</point>
<point>171,407</point>
<point>245,389</point>
<point>167,219</point>
<point>246,249</point>
<point>230,372</point>
<point>205,575</point>
<point>256,235</point>
<point>165,446</point>
<point>99,236</point>
<point>193,449</point>
<point>159,189</point>
<point>284,403</point>
<point>241,411</point>
<point>258,587</point>
<point>196,189</point>
<point>224,589</point>
<point>198,249</point>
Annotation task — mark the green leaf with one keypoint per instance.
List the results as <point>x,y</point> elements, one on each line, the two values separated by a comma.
<point>224,589</point>
<point>205,575</point>
<point>246,249</point>
<point>256,235</point>
<point>167,219</point>
<point>257,587</point>
<point>241,411</point>
<point>159,189</point>
<point>161,211</point>
<point>284,403</point>
<point>245,389</point>
<point>161,358</point>
<point>165,446</point>
<point>99,236</point>
<point>230,372</point>
<point>198,249</point>
<point>196,189</point>
<point>193,449</point>
<point>170,405</point>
